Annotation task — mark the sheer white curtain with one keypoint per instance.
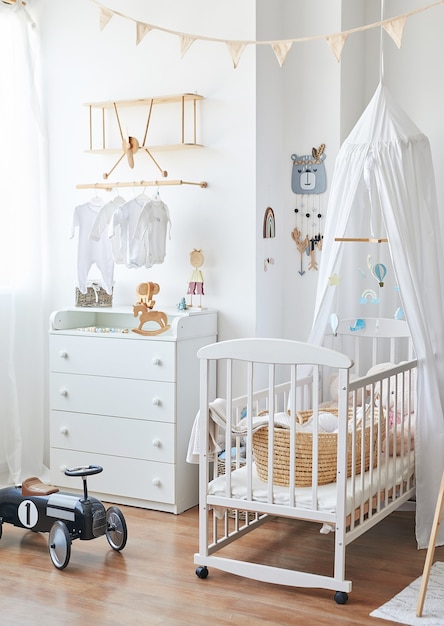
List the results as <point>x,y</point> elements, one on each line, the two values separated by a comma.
<point>22,245</point>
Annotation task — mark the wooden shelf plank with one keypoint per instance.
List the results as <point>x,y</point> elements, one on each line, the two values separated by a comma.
<point>187,97</point>
<point>165,148</point>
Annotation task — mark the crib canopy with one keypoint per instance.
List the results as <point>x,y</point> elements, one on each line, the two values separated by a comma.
<point>383,187</point>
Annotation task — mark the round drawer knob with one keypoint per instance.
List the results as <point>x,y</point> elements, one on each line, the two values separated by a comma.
<point>156,361</point>
<point>156,482</point>
<point>156,443</point>
<point>63,354</point>
<point>64,430</point>
<point>156,401</point>
<point>63,392</point>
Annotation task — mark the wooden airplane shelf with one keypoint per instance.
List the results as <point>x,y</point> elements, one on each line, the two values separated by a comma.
<point>109,119</point>
<point>181,99</point>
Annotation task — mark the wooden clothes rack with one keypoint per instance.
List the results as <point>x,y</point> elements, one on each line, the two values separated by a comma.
<point>141,183</point>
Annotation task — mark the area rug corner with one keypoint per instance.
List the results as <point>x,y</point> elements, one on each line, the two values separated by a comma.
<point>401,609</point>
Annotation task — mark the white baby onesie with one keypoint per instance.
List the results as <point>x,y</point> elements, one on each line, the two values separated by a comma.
<point>90,251</point>
<point>104,218</point>
<point>152,228</point>
<point>126,249</point>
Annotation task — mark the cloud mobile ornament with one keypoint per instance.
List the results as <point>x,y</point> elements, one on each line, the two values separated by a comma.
<point>369,297</point>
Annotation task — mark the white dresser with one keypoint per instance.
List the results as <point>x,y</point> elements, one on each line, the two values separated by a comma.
<point>126,402</point>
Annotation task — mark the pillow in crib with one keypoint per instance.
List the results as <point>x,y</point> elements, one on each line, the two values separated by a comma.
<point>334,391</point>
<point>401,403</point>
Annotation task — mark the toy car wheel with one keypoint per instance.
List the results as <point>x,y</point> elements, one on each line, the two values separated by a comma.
<point>116,531</point>
<point>59,544</point>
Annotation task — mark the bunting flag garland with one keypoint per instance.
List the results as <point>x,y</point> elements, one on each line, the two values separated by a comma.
<point>394,27</point>
<point>336,43</point>
<point>104,17</point>
<point>141,31</point>
<point>185,43</point>
<point>236,48</point>
<point>281,49</point>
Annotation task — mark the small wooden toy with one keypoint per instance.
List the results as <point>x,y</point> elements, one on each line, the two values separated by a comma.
<point>145,293</point>
<point>196,281</point>
<point>143,310</point>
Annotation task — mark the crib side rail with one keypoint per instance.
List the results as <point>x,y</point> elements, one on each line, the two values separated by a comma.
<point>386,401</point>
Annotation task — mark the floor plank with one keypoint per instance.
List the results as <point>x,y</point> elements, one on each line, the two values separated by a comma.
<point>153,580</point>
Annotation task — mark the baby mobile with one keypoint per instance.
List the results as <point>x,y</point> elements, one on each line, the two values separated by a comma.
<point>368,296</point>
<point>308,181</point>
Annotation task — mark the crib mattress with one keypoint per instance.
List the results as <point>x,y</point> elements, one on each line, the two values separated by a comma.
<point>391,472</point>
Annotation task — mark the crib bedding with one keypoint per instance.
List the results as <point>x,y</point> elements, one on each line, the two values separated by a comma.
<point>392,472</point>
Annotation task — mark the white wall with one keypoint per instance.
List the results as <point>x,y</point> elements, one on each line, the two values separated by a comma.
<point>312,117</point>
<point>414,77</point>
<point>83,64</point>
<point>252,120</point>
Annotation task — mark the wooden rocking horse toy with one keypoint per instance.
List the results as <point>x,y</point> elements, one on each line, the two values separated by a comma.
<point>143,310</point>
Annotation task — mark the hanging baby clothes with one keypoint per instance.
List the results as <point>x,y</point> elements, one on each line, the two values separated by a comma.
<point>104,218</point>
<point>126,249</point>
<point>152,229</point>
<point>90,251</point>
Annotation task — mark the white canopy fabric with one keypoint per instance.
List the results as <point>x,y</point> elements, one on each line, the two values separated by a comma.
<point>384,178</point>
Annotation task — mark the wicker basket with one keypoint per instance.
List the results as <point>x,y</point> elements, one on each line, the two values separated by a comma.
<point>95,296</point>
<point>327,453</point>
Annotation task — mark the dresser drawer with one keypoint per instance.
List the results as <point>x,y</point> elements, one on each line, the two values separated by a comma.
<point>132,478</point>
<point>118,397</point>
<point>114,356</point>
<point>151,441</point>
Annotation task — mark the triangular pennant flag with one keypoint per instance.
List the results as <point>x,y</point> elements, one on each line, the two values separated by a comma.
<point>185,43</point>
<point>281,49</point>
<point>395,29</point>
<point>236,48</point>
<point>105,17</point>
<point>141,30</point>
<point>336,43</point>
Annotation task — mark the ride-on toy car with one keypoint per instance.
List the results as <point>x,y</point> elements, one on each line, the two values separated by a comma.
<point>42,508</point>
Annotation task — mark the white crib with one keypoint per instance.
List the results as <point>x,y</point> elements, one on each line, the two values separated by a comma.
<point>286,470</point>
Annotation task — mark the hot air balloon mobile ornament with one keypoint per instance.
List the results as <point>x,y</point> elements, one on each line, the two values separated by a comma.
<point>379,271</point>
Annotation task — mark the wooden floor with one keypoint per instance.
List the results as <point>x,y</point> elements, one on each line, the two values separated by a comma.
<point>153,580</point>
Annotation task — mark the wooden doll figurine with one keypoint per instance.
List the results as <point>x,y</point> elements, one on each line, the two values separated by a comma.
<point>196,282</point>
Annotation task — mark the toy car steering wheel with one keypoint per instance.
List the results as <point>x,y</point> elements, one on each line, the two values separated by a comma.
<point>84,470</point>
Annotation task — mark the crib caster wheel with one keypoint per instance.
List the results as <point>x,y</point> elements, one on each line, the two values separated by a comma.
<point>341,597</point>
<point>202,571</point>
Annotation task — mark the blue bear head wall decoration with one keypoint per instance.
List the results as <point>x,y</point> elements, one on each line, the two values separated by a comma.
<point>308,172</point>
